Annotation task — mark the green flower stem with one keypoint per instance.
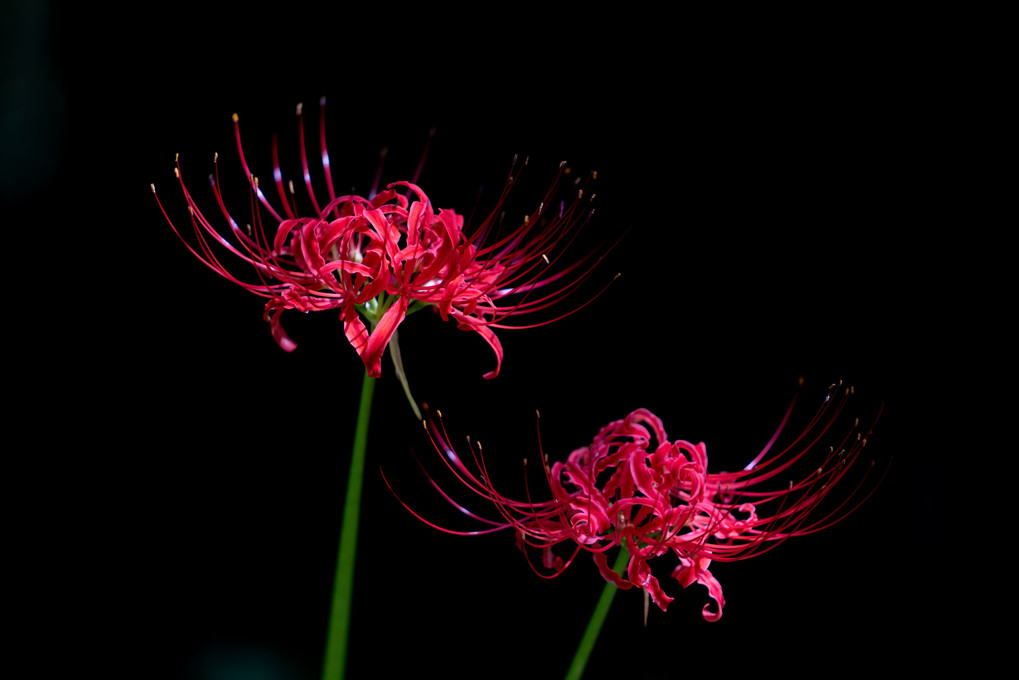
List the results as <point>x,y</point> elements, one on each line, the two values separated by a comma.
<point>601,610</point>
<point>394,352</point>
<point>343,586</point>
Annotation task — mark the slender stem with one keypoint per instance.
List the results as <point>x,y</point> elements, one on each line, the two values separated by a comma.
<point>343,585</point>
<point>601,610</point>
<point>394,352</point>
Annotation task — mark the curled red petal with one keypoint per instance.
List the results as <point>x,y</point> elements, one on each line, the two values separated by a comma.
<point>382,334</point>
<point>278,334</point>
<point>357,334</point>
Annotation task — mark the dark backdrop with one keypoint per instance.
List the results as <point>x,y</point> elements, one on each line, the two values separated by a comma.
<point>772,185</point>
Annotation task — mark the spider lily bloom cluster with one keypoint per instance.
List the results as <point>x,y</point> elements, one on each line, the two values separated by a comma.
<point>634,488</point>
<point>379,257</point>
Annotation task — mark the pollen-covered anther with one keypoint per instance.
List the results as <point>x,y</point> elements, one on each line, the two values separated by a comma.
<point>300,107</point>
<point>234,118</point>
<point>545,257</point>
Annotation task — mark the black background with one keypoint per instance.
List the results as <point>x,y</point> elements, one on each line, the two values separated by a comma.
<point>780,183</point>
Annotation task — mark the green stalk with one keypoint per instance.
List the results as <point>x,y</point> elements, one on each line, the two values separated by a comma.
<point>338,635</point>
<point>394,352</point>
<point>601,610</point>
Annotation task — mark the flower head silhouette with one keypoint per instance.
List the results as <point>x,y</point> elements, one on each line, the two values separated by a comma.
<point>632,487</point>
<point>375,259</point>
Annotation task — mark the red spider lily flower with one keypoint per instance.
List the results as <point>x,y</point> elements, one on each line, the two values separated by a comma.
<point>379,257</point>
<point>633,487</point>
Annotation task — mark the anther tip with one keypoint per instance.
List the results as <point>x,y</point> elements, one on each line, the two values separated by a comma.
<point>153,187</point>
<point>234,118</point>
<point>300,107</point>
